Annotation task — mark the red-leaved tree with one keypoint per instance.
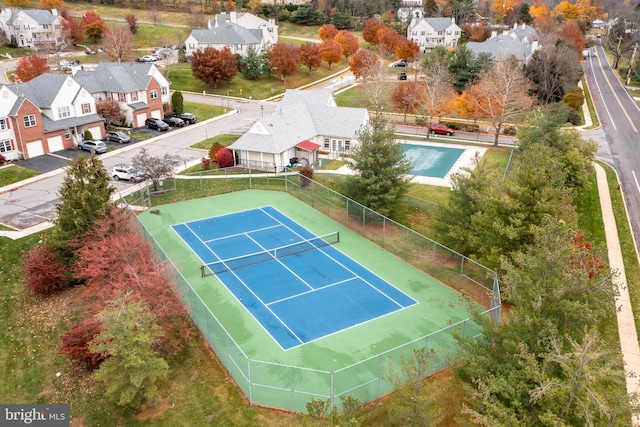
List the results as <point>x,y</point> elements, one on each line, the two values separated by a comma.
<point>370,31</point>
<point>213,65</point>
<point>30,67</point>
<point>331,52</point>
<point>43,272</point>
<point>224,158</point>
<point>284,59</point>
<point>408,97</point>
<point>310,55</point>
<point>75,344</point>
<point>406,49</point>
<point>110,110</point>
<point>94,25</point>
<point>114,257</point>
<point>348,42</point>
<point>387,39</point>
<point>364,63</point>
<point>72,28</point>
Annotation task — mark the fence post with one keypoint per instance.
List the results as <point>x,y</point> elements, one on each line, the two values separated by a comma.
<point>379,375</point>
<point>293,393</point>
<point>332,392</point>
<point>250,383</point>
<point>250,186</point>
<point>462,266</point>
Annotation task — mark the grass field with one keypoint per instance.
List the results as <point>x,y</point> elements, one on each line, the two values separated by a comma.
<point>14,173</point>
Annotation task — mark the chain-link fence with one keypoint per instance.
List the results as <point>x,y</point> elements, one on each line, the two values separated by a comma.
<point>291,387</point>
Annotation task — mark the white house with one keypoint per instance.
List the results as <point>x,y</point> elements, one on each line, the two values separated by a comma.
<point>36,29</point>
<point>431,32</point>
<point>303,123</point>
<point>44,115</point>
<point>139,87</point>
<point>521,42</point>
<point>237,31</point>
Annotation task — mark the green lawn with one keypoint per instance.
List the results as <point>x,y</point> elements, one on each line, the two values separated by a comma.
<point>14,173</point>
<point>224,139</point>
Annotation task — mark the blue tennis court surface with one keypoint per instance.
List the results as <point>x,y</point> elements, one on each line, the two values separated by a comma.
<point>431,161</point>
<point>296,285</point>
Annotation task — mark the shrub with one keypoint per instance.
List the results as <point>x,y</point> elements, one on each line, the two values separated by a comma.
<point>574,117</point>
<point>206,163</point>
<point>3,159</point>
<point>224,157</point>
<point>307,172</point>
<point>574,99</point>
<point>177,102</point>
<point>510,130</point>
<point>215,147</point>
<point>43,272</point>
<point>87,135</point>
<point>75,344</point>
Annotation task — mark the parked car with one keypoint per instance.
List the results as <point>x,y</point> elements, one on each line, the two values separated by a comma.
<point>156,124</point>
<point>187,117</point>
<point>402,76</point>
<point>91,144</point>
<point>126,172</point>
<point>175,122</point>
<point>163,53</point>
<point>401,63</point>
<point>117,136</point>
<point>148,58</point>
<point>441,129</point>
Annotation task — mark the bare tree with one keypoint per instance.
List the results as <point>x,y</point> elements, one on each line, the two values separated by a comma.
<point>376,87</point>
<point>155,168</point>
<point>501,93</point>
<point>154,15</point>
<point>117,43</point>
<point>439,93</point>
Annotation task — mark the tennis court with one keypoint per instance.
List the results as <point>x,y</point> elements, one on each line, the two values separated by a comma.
<point>297,285</point>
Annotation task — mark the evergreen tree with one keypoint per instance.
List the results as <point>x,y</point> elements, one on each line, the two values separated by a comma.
<point>381,181</point>
<point>341,20</point>
<point>524,14</point>
<point>84,198</point>
<point>252,64</point>
<point>177,102</point>
<point>127,335</point>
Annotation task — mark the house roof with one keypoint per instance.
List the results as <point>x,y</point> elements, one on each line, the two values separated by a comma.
<point>38,15</point>
<point>500,47</point>
<point>51,125</point>
<point>113,77</point>
<point>41,90</point>
<point>438,24</point>
<point>524,31</point>
<point>228,34</point>
<point>307,145</point>
<point>301,115</point>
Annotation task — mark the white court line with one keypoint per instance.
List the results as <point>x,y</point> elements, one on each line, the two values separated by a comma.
<point>242,233</point>
<point>313,290</point>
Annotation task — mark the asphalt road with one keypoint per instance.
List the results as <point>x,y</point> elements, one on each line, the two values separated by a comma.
<point>33,204</point>
<point>618,137</point>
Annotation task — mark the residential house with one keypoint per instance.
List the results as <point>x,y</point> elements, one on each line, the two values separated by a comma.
<point>520,42</point>
<point>139,87</point>
<point>410,9</point>
<point>44,115</point>
<point>35,29</point>
<point>303,124</point>
<point>431,32</point>
<point>237,31</point>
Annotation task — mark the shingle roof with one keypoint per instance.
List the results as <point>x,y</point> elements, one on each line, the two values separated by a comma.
<point>228,34</point>
<point>500,47</point>
<point>522,31</point>
<point>38,15</point>
<point>113,77</point>
<point>438,24</point>
<point>51,125</point>
<point>41,90</point>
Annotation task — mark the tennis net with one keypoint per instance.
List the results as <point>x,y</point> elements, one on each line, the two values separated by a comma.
<point>236,263</point>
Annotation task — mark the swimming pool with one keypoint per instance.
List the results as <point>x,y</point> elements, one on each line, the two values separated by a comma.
<point>431,161</point>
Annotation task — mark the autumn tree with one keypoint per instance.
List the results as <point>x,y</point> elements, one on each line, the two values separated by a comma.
<point>155,168</point>
<point>229,6</point>
<point>128,333</point>
<point>214,65</point>
<point>30,67</point>
<point>380,182</point>
<point>370,31</point>
<point>408,97</point>
<point>406,49</point>
<point>95,27</point>
<point>501,93</point>
<point>439,91</point>
<point>85,197</point>
<point>73,29</point>
<point>43,271</point>
<point>132,23</point>
<point>387,39</point>
<point>331,52</point>
<point>23,3</point>
<point>110,110</point>
<point>51,4</point>
<point>571,34</point>
<point>348,42</point>
<point>76,341</point>
<point>364,63</point>
<point>327,32</point>
<point>310,55</point>
<point>117,43</point>
<point>284,58</point>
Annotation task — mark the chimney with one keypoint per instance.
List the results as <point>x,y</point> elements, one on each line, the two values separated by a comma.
<point>523,25</point>
<point>515,25</point>
<point>233,16</point>
<point>54,11</point>
<point>494,33</point>
<point>453,19</point>
<point>534,46</point>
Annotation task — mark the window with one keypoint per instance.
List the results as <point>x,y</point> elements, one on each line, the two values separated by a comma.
<point>121,97</point>
<point>5,146</point>
<point>440,33</point>
<point>164,90</point>
<point>86,108</point>
<point>134,96</point>
<point>347,144</point>
<point>3,124</point>
<point>457,33</point>
<point>29,121</point>
<point>109,97</point>
<point>45,26</point>
<point>326,144</point>
<point>64,112</point>
<point>422,33</point>
<point>153,94</point>
<point>67,134</point>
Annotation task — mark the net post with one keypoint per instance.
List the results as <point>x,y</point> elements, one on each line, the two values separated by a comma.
<point>202,271</point>
<point>338,237</point>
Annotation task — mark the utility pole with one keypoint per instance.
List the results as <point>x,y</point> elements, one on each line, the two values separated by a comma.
<point>631,63</point>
